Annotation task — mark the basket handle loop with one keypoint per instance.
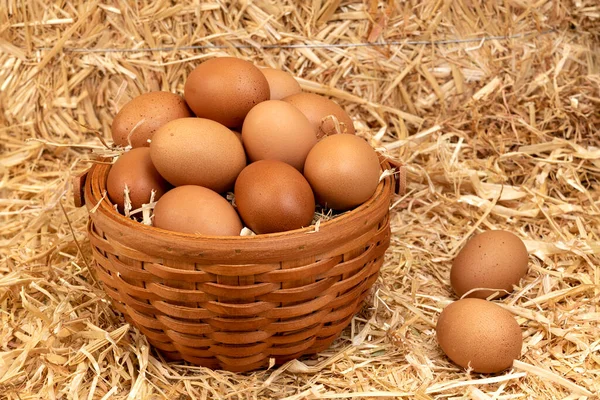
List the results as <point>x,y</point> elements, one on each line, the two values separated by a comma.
<point>400,178</point>
<point>78,182</point>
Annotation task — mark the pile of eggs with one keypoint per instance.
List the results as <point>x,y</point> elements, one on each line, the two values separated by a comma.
<point>475,333</point>
<point>242,129</point>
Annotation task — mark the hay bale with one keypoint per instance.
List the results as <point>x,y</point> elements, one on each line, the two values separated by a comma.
<point>493,105</point>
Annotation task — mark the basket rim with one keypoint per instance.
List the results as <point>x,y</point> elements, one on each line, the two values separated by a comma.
<point>129,232</point>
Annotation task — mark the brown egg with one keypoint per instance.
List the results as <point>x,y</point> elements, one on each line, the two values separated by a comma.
<point>281,84</point>
<point>224,89</point>
<point>146,113</point>
<point>198,151</point>
<point>135,170</point>
<point>480,335</point>
<point>272,196</point>
<point>493,259</point>
<point>276,130</point>
<point>343,171</point>
<point>196,210</point>
<point>318,110</point>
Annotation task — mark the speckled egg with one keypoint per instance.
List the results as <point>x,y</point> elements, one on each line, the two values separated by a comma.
<point>272,196</point>
<point>135,170</point>
<point>479,335</point>
<point>224,89</point>
<point>496,260</point>
<point>343,171</point>
<point>281,84</point>
<point>196,210</point>
<point>276,130</point>
<point>140,118</point>
<point>319,109</point>
<point>198,151</point>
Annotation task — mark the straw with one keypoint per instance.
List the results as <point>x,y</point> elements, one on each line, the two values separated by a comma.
<point>492,107</point>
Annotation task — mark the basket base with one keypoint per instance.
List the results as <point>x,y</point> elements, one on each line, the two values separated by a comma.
<point>215,360</point>
<point>213,363</point>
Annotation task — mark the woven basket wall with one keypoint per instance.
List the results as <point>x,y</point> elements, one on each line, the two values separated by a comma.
<point>235,302</point>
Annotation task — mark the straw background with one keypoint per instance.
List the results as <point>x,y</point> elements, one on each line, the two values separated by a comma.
<point>496,134</point>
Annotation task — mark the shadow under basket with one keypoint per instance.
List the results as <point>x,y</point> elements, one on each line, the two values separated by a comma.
<point>234,303</point>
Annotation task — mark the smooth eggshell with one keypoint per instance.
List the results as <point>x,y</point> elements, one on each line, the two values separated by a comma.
<point>480,335</point>
<point>492,259</point>
<point>276,130</point>
<point>281,84</point>
<point>343,171</point>
<point>318,110</point>
<point>135,170</point>
<point>198,151</point>
<point>224,89</point>
<point>196,210</point>
<point>272,196</point>
<point>149,112</point>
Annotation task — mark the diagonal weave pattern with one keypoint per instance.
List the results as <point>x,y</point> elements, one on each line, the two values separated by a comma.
<point>234,303</point>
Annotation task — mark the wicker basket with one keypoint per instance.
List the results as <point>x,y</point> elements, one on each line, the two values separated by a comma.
<point>236,302</point>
